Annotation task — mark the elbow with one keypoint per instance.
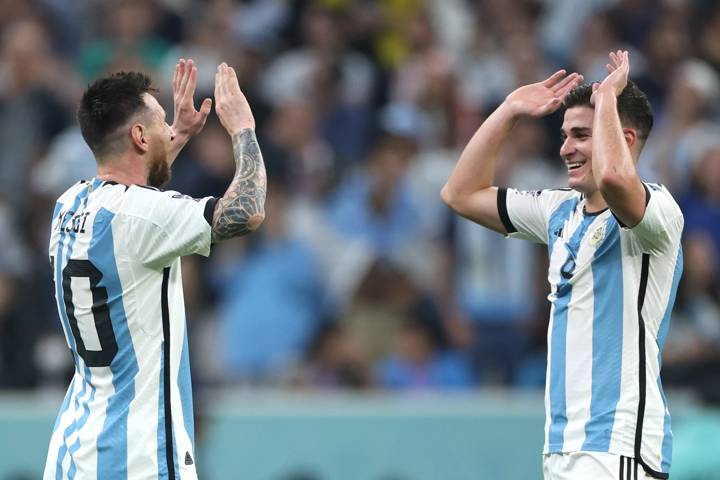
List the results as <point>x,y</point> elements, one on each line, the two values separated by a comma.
<point>612,181</point>
<point>448,197</point>
<point>255,221</point>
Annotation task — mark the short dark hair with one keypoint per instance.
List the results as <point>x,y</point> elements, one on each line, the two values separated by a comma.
<point>633,106</point>
<point>108,103</point>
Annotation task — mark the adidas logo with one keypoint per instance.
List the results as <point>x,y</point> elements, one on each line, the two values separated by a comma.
<point>188,459</point>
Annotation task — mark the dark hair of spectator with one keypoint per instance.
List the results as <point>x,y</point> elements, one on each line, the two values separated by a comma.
<point>109,103</point>
<point>633,106</point>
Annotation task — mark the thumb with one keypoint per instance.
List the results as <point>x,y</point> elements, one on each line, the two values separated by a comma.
<point>205,107</point>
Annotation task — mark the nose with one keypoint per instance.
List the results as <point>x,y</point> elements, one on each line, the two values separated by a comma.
<point>172,132</point>
<point>566,148</point>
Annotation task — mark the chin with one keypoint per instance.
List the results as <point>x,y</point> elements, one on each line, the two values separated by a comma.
<point>582,188</point>
<point>576,186</point>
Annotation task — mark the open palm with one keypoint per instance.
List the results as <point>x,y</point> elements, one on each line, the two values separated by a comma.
<point>618,72</point>
<point>186,120</point>
<point>542,98</point>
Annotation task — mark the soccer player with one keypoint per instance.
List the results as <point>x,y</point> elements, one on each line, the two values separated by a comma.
<point>115,249</point>
<point>615,262</point>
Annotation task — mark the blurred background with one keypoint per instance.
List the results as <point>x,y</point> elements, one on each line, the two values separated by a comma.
<point>365,332</point>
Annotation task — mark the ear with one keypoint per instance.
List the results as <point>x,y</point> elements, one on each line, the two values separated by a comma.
<point>138,137</point>
<point>631,136</point>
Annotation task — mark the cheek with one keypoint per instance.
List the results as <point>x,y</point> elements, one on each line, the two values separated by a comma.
<point>586,148</point>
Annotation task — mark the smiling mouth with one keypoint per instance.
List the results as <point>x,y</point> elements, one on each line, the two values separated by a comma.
<point>575,165</point>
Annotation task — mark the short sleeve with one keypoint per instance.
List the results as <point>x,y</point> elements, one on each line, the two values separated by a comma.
<point>660,229</point>
<point>162,226</point>
<point>525,213</point>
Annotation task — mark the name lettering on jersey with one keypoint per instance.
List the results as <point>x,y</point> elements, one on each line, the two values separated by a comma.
<point>186,197</point>
<point>530,193</point>
<point>75,224</point>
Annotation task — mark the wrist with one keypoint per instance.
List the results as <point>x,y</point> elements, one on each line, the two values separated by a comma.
<point>605,97</point>
<point>180,138</point>
<point>508,111</point>
<point>606,92</point>
<point>241,129</point>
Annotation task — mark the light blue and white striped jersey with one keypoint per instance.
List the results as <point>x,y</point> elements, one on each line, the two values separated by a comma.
<point>612,291</point>
<point>115,253</point>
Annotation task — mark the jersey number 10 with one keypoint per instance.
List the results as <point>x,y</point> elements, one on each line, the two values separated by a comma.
<point>100,313</point>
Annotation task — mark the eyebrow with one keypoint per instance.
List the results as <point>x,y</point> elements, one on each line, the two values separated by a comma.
<point>576,131</point>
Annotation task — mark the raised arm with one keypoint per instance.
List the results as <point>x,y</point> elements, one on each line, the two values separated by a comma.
<point>242,209</point>
<point>469,191</point>
<point>612,162</point>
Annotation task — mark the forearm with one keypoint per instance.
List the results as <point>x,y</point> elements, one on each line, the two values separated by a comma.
<point>613,164</point>
<point>612,161</point>
<point>242,209</point>
<point>475,169</point>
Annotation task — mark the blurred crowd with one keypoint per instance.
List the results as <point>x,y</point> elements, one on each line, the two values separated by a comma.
<point>360,277</point>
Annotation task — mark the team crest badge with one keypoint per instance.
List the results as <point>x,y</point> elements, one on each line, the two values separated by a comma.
<point>597,236</point>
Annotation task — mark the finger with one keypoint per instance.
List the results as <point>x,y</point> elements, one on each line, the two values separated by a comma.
<point>222,83</point>
<point>182,75</point>
<point>565,91</point>
<point>569,87</point>
<point>221,79</point>
<point>595,86</point>
<point>217,85</point>
<point>175,77</point>
<point>191,79</point>
<point>554,78</point>
<point>192,82</point>
<point>570,79</point>
<point>234,83</point>
<point>613,59</point>
<point>205,107</point>
<point>185,77</point>
<point>227,80</point>
<point>626,63</point>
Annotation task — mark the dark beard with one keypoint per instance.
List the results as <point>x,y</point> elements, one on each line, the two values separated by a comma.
<point>159,174</point>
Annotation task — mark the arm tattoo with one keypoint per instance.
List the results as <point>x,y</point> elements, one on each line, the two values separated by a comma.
<point>241,210</point>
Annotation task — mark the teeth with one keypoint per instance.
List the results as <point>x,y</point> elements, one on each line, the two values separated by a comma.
<point>574,165</point>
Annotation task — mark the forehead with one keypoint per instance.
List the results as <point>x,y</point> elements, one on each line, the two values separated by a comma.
<point>578,117</point>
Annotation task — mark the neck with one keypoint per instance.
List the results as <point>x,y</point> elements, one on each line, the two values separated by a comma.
<point>595,202</point>
<point>123,170</point>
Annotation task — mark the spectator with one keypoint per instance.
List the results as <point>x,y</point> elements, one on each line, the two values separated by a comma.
<point>268,312</point>
<point>418,361</point>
